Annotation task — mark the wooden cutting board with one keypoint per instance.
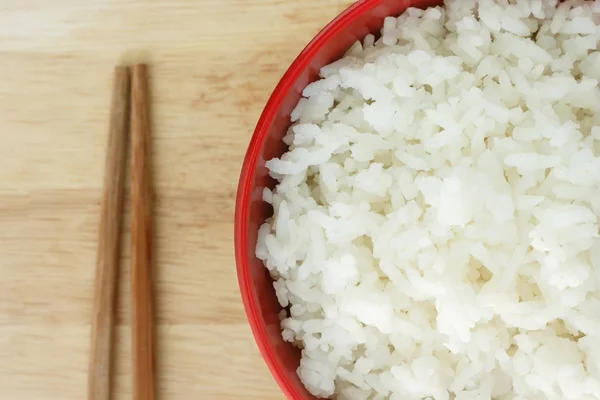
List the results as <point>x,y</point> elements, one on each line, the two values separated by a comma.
<point>214,64</point>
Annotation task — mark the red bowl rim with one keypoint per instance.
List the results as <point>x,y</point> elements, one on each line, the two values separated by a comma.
<point>242,207</point>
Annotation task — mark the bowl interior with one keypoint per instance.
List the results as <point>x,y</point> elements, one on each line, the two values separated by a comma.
<point>256,287</point>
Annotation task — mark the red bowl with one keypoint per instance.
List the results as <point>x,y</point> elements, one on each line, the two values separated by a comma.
<point>258,294</point>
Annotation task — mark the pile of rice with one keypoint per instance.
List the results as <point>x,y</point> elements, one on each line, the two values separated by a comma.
<point>435,230</point>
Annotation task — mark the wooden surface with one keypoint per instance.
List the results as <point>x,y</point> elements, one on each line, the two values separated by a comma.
<point>215,63</point>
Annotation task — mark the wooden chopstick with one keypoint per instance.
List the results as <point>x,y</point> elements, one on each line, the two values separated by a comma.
<point>99,375</point>
<point>141,238</point>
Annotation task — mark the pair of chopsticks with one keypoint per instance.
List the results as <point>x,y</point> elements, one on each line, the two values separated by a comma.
<point>129,113</point>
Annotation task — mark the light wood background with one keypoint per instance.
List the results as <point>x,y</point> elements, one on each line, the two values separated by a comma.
<point>214,64</point>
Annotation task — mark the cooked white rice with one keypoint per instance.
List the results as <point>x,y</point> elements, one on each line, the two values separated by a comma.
<point>435,229</point>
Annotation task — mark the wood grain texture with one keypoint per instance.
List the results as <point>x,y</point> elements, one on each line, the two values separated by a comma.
<point>214,65</point>
<point>109,241</point>
<point>142,258</point>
